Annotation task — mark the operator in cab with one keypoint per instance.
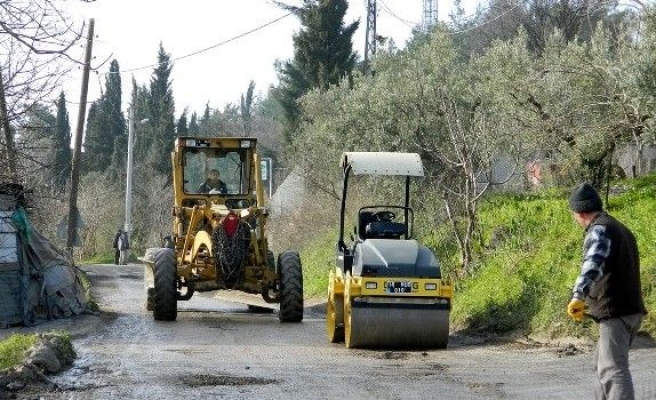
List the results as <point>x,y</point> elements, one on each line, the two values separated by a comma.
<point>213,185</point>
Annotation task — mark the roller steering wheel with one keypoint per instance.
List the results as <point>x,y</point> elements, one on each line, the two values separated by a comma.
<point>385,216</point>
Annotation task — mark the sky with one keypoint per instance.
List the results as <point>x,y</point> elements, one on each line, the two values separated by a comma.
<point>130,31</point>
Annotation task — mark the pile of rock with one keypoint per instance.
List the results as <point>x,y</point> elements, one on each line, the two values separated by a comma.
<point>51,353</point>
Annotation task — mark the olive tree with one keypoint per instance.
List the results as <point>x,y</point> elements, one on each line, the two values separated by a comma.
<point>423,101</point>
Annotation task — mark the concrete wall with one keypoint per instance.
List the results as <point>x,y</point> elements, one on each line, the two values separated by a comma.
<point>289,195</point>
<point>635,161</point>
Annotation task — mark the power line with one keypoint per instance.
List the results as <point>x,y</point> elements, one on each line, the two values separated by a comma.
<point>486,22</point>
<point>214,46</point>
<point>416,25</point>
<point>388,10</point>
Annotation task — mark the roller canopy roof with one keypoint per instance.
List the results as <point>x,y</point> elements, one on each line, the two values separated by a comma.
<point>382,163</point>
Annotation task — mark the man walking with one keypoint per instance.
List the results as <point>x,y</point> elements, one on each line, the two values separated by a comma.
<point>609,283</point>
<point>117,252</point>
<point>123,247</point>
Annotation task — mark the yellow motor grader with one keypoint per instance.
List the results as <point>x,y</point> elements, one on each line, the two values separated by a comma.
<point>386,289</point>
<point>219,238</point>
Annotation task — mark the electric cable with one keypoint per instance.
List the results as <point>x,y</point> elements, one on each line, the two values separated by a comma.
<point>203,50</point>
<point>486,22</point>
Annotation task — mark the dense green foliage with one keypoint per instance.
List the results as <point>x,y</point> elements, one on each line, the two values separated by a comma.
<point>501,20</point>
<point>526,260</point>
<point>478,122</point>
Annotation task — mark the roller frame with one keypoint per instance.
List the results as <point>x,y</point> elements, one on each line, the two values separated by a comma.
<point>380,311</point>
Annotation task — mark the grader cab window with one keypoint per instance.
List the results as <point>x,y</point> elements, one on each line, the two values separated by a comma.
<point>216,171</point>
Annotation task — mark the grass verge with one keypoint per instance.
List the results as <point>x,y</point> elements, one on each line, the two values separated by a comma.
<point>13,349</point>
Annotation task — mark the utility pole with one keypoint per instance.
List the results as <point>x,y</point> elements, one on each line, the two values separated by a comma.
<point>370,40</point>
<point>430,15</point>
<point>73,213</point>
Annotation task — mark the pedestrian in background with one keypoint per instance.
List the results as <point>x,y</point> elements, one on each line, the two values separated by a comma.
<point>609,283</point>
<point>117,252</point>
<point>123,247</point>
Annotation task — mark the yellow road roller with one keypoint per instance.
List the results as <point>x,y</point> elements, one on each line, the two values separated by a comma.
<point>386,289</point>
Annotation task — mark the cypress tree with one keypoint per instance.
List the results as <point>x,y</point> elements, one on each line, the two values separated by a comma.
<point>246,110</point>
<point>140,100</point>
<point>181,128</point>
<point>97,145</point>
<point>323,55</point>
<point>113,99</point>
<point>204,123</point>
<point>105,124</point>
<point>162,116</point>
<point>62,145</point>
<point>194,128</point>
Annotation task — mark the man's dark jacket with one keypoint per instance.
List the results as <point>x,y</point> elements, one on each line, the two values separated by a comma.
<point>618,292</point>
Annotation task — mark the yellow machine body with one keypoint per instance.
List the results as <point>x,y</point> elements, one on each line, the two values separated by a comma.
<point>219,238</point>
<point>386,289</point>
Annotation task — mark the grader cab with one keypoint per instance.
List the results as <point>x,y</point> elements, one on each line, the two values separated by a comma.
<point>218,239</point>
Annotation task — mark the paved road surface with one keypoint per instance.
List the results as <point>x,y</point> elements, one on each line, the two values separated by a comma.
<point>217,350</point>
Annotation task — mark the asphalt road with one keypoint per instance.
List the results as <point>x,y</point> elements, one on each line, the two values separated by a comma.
<point>218,350</point>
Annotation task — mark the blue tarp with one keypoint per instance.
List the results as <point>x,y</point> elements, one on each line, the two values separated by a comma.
<point>49,285</point>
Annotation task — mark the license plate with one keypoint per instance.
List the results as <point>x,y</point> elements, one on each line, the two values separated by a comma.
<point>398,286</point>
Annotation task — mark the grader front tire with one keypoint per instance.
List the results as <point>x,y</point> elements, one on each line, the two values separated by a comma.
<point>165,293</point>
<point>291,287</point>
<point>149,282</point>
<point>150,299</point>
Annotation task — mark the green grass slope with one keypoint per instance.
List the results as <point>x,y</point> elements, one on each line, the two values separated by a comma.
<point>531,256</point>
<point>527,260</point>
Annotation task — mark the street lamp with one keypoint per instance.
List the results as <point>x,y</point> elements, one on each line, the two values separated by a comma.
<point>128,172</point>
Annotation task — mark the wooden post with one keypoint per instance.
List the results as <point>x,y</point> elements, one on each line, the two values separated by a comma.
<point>77,148</point>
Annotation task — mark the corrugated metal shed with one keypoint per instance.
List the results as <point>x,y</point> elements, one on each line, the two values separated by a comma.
<point>11,311</point>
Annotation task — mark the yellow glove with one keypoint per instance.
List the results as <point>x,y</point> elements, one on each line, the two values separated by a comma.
<point>575,309</point>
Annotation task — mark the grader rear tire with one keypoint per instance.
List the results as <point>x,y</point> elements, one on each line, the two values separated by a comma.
<point>165,294</point>
<point>291,287</point>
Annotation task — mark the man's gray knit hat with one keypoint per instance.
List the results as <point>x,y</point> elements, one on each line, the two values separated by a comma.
<point>584,198</point>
